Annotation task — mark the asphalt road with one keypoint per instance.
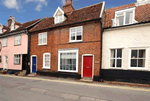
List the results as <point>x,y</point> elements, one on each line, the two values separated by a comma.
<point>22,89</point>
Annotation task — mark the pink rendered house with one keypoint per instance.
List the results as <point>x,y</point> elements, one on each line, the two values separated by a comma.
<point>14,42</point>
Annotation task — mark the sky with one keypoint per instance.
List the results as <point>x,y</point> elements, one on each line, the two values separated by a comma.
<point>28,10</point>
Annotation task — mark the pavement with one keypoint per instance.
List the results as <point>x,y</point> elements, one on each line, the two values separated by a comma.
<point>15,88</point>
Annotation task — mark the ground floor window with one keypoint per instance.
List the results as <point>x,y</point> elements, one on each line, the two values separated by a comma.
<point>68,61</point>
<point>46,60</point>
<point>17,59</point>
<point>138,58</point>
<point>116,58</point>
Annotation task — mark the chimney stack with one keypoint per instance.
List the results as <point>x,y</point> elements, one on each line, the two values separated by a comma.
<point>14,18</point>
<point>68,7</point>
<point>9,21</point>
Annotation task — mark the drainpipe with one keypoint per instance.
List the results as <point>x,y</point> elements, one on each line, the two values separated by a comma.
<point>28,53</point>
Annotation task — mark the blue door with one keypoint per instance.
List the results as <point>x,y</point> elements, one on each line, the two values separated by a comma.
<point>33,64</point>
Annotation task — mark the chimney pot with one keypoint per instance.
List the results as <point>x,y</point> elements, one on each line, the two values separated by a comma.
<point>10,17</point>
<point>65,2</point>
<point>14,18</point>
<point>70,2</point>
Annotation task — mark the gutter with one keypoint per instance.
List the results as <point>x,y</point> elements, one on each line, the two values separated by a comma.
<point>67,24</point>
<point>146,22</point>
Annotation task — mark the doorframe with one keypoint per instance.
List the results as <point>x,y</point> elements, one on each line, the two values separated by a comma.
<point>92,65</point>
<point>31,62</point>
<point>5,62</point>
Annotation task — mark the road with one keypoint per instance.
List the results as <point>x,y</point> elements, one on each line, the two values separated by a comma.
<point>24,89</point>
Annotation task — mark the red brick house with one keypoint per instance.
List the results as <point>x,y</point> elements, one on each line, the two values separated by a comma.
<point>69,43</point>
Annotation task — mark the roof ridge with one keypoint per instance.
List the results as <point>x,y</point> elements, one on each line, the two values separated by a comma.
<point>89,6</point>
<point>121,6</point>
<point>31,20</point>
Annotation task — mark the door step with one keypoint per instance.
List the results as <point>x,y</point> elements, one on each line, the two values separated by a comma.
<point>3,71</point>
<point>86,80</point>
<point>32,75</point>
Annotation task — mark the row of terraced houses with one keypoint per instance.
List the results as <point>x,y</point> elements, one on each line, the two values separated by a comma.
<point>91,42</point>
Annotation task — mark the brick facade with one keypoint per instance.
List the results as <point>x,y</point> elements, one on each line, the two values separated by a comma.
<point>58,38</point>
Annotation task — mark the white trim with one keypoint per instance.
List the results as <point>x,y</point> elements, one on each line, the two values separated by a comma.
<point>42,38</point>
<point>4,42</point>
<point>57,11</point>
<point>16,37</point>
<point>124,11</point>
<point>102,9</point>
<point>146,59</point>
<point>5,62</point>
<point>44,61</point>
<point>31,62</point>
<point>115,59</point>
<point>68,51</point>
<point>75,34</point>
<point>92,65</point>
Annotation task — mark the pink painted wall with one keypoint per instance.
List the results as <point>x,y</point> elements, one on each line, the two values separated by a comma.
<point>10,50</point>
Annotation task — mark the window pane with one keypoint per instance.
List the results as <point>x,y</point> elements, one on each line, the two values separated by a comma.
<point>129,17</point>
<point>112,63</point>
<point>72,37</point>
<point>79,37</point>
<point>133,62</point>
<point>119,62</point>
<point>134,54</point>
<point>72,30</point>
<point>141,53</point>
<point>74,67</point>
<point>119,53</point>
<point>141,62</point>
<point>78,29</point>
<point>112,53</point>
<point>120,20</point>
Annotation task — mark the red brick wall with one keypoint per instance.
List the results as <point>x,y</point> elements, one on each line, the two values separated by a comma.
<point>58,38</point>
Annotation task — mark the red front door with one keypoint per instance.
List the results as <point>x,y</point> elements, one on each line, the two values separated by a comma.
<point>87,66</point>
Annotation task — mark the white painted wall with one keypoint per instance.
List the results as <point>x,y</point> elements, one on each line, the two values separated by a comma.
<point>126,38</point>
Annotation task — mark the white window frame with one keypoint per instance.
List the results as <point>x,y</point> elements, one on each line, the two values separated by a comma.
<point>42,38</point>
<point>124,14</point>
<point>17,38</point>
<point>116,59</point>
<point>146,57</point>
<point>57,19</point>
<point>17,58</point>
<point>75,34</point>
<point>46,67</point>
<point>68,51</point>
<point>5,42</point>
<point>1,31</point>
<point>12,27</point>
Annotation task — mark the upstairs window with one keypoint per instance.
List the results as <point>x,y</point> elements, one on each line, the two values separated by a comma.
<point>18,40</point>
<point>42,38</point>
<point>0,59</point>
<point>59,19</point>
<point>5,42</point>
<point>1,31</point>
<point>125,17</point>
<point>76,34</point>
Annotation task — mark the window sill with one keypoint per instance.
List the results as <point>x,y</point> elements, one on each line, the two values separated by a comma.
<point>116,68</point>
<point>4,46</point>
<point>46,68</point>
<point>16,64</point>
<point>67,71</point>
<point>42,44</point>
<point>75,41</point>
<point>17,45</point>
<point>138,68</point>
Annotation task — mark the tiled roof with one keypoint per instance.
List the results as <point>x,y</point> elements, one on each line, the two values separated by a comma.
<point>80,15</point>
<point>22,26</point>
<point>142,13</point>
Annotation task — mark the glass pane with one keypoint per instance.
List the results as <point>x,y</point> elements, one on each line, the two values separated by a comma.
<point>71,67</point>
<point>119,62</point>
<point>120,20</point>
<point>73,30</point>
<point>72,37</point>
<point>63,67</point>
<point>60,67</point>
<point>112,53</point>
<point>74,61</point>
<point>134,54</point>
<point>133,62</point>
<point>78,33</point>
<point>128,17</point>
<point>119,53</point>
<point>78,29</point>
<point>79,37</point>
<point>74,67</point>
<point>141,62</point>
<point>141,53</point>
<point>112,63</point>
